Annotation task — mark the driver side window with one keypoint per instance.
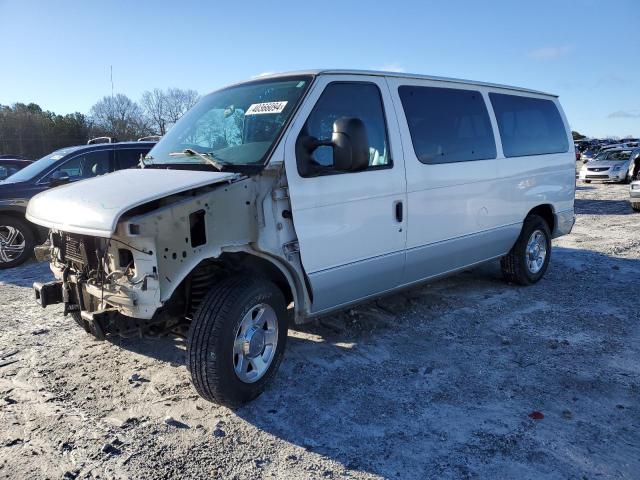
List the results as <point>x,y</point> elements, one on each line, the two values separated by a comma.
<point>342,99</point>
<point>86,165</point>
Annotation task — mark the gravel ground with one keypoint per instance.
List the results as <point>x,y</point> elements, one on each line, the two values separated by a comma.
<point>441,381</point>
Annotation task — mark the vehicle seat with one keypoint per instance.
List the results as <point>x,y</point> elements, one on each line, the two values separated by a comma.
<point>99,168</point>
<point>374,157</point>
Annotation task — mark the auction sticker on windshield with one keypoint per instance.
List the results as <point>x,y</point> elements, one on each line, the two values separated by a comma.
<point>267,107</point>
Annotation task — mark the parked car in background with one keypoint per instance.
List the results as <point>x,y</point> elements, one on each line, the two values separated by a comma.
<point>9,166</point>
<point>319,190</point>
<point>67,165</point>
<point>588,154</point>
<point>615,165</point>
<point>634,195</point>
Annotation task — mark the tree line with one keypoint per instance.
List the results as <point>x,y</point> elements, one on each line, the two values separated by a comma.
<point>29,131</point>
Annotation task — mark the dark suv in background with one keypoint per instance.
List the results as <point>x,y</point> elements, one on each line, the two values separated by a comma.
<point>71,164</point>
<point>10,165</point>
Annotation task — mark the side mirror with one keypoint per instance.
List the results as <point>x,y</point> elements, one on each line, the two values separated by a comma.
<point>59,177</point>
<point>350,146</point>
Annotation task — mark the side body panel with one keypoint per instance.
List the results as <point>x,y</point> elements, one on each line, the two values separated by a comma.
<point>351,244</point>
<point>528,181</point>
<point>457,216</point>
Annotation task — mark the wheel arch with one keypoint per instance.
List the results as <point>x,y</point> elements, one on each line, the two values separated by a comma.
<point>259,264</point>
<point>547,213</point>
<point>244,260</point>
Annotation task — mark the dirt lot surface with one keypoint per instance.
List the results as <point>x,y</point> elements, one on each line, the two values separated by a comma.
<point>438,382</point>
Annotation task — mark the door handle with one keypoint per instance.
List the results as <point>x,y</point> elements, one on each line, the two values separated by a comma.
<point>399,211</point>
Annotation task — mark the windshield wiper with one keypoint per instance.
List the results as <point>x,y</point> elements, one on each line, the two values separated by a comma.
<point>207,157</point>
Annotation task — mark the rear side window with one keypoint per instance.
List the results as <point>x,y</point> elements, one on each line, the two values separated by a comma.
<point>447,124</point>
<point>85,165</point>
<point>529,126</point>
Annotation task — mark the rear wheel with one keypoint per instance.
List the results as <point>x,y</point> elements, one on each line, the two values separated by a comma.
<point>528,259</point>
<point>16,242</point>
<point>636,206</point>
<point>236,340</point>
<point>587,181</point>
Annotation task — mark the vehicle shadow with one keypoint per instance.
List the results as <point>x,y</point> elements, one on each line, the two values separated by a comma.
<point>602,207</point>
<point>170,348</point>
<point>428,382</point>
<point>26,274</point>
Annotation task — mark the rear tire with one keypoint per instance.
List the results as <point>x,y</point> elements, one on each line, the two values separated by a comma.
<point>587,181</point>
<point>528,260</point>
<point>236,340</point>
<point>635,207</point>
<point>16,242</point>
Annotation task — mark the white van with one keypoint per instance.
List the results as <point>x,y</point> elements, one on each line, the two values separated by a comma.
<point>302,193</point>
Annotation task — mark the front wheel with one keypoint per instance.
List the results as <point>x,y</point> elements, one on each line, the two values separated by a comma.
<point>236,340</point>
<point>16,242</point>
<point>528,259</point>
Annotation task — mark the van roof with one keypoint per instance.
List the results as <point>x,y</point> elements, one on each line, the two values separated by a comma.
<point>380,73</point>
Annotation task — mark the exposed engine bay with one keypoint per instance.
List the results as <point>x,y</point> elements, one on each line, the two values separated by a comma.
<point>150,275</point>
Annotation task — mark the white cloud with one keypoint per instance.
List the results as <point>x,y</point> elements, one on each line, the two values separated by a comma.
<point>550,53</point>
<point>635,113</point>
<point>391,67</point>
<point>264,74</point>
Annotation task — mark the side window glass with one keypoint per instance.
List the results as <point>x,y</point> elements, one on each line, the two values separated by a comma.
<point>529,126</point>
<point>128,157</point>
<point>447,124</point>
<point>86,165</point>
<point>359,100</point>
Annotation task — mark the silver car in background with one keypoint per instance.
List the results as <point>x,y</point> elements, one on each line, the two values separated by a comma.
<point>616,165</point>
<point>634,195</point>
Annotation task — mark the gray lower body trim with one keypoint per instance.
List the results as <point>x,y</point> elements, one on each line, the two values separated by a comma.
<point>433,259</point>
<point>398,288</point>
<point>342,284</point>
<point>563,223</point>
<point>349,284</point>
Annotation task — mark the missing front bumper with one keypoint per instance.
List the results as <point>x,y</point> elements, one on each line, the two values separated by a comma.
<point>48,293</point>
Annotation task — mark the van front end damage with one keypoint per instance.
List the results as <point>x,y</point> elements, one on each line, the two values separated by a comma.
<point>107,284</point>
<point>164,255</point>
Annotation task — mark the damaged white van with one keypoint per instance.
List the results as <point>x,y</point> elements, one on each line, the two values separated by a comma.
<point>298,194</point>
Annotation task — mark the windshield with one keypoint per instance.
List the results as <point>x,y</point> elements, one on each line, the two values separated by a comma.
<point>234,126</point>
<point>39,166</point>
<point>615,155</point>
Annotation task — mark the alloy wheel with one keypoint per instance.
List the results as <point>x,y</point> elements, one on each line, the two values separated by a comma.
<point>12,243</point>
<point>255,343</point>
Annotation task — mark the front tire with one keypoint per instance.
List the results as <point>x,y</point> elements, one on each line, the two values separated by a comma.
<point>528,260</point>
<point>16,242</point>
<point>236,340</point>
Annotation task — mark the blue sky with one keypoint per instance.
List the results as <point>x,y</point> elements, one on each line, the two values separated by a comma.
<point>58,53</point>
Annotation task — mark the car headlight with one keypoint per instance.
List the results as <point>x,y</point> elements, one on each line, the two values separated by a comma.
<point>616,168</point>
<point>635,186</point>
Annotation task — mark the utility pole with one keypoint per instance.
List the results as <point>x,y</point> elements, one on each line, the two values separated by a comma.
<point>111,66</point>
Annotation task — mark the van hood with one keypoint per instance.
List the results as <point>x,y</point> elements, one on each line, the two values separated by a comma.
<point>94,206</point>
